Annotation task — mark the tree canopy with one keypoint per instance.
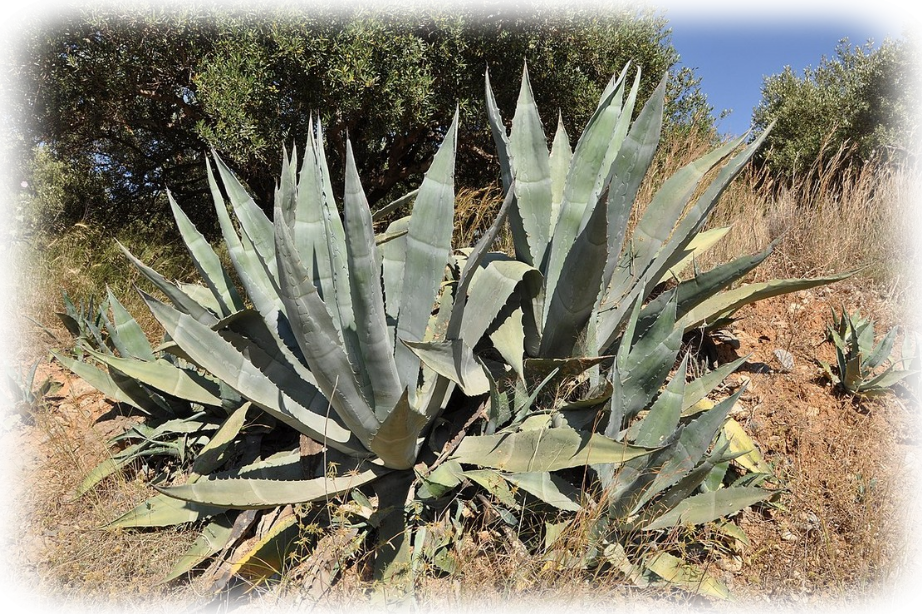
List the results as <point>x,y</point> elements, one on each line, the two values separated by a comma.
<point>864,99</point>
<point>137,99</point>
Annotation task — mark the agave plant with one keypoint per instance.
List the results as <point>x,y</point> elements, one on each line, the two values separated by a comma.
<point>570,223</point>
<point>25,397</point>
<point>858,359</point>
<point>357,368</point>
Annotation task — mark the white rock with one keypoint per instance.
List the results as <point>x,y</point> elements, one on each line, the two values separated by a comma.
<point>785,359</point>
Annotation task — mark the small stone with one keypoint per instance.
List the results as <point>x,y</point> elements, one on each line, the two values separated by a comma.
<point>785,359</point>
<point>788,536</point>
<point>732,564</point>
<point>738,411</point>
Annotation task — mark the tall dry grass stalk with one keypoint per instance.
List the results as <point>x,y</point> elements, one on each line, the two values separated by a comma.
<point>835,218</point>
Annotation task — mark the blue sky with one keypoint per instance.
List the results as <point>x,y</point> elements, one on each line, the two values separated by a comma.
<point>733,50</point>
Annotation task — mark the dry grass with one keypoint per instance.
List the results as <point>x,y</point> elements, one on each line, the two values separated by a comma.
<point>74,559</point>
<point>83,262</point>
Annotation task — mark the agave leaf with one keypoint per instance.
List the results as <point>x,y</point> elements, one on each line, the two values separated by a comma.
<point>884,381</point>
<point>698,246</point>
<point>686,576</point>
<point>290,400</point>
<point>708,476</point>
<point>698,389</point>
<point>253,222</point>
<point>104,382</point>
<point>656,226</point>
<point>428,245</point>
<point>592,400</point>
<point>164,376</point>
<point>625,112</point>
<point>472,263</point>
<point>709,506</point>
<point>454,360</point>
<point>548,487</point>
<point>207,263</point>
<point>214,537</point>
<point>212,455</point>
<point>179,298</point>
<point>547,449</point>
<point>442,480</point>
<point>509,341</point>
<point>242,493</point>
<point>882,351</point>
<point>494,483</point>
<point>163,511</point>
<point>580,190</point>
<point>499,411</point>
<point>255,280</point>
<point>334,237</point>
<point>628,170</point>
<point>267,555</point>
<point>663,418</point>
<point>394,205</point>
<point>282,355</point>
<point>501,139</point>
<point>396,442</point>
<point>727,302</point>
<point>670,226</point>
<point>691,292</point>
<point>647,363</point>
<point>744,448</point>
<point>531,168</point>
<point>108,467</point>
<point>393,262</point>
<point>201,295</point>
<point>573,299</point>
<point>691,223</point>
<point>131,339</point>
<point>691,446</point>
<point>376,349</point>
<point>319,342</point>
<point>492,285</point>
<point>559,160</point>
<point>195,423</point>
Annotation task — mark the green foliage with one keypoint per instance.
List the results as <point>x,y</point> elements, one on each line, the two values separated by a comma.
<point>381,404</point>
<point>814,114</point>
<point>125,104</point>
<point>25,397</point>
<point>864,100</point>
<point>891,113</point>
<point>52,199</point>
<point>860,364</point>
